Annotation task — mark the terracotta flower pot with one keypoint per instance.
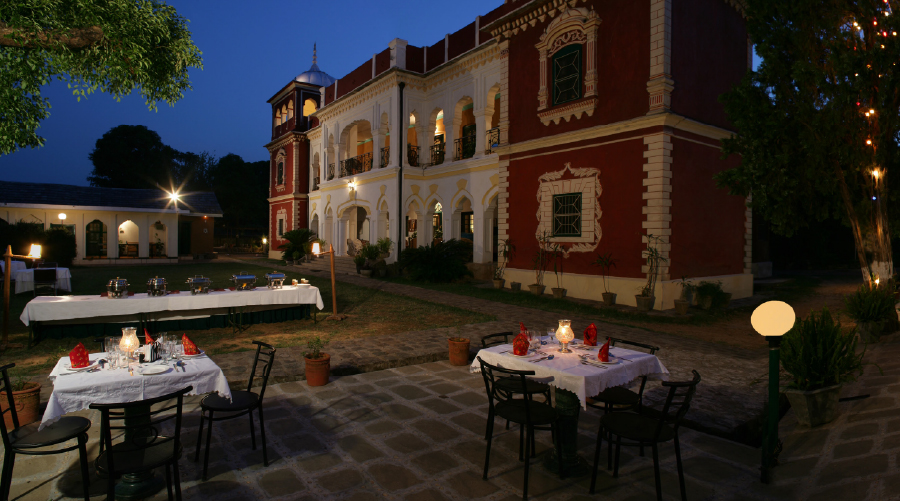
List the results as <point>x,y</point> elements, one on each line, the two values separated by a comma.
<point>609,298</point>
<point>682,306</point>
<point>537,290</point>
<point>644,303</point>
<point>366,273</point>
<point>515,286</point>
<point>498,283</point>
<point>318,370</point>
<point>459,350</point>
<point>27,402</point>
<point>558,293</point>
<point>814,408</point>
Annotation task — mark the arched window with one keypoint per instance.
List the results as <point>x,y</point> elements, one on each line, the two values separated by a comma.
<point>279,168</point>
<point>95,239</point>
<point>290,110</point>
<point>277,118</point>
<point>309,107</point>
<point>567,75</point>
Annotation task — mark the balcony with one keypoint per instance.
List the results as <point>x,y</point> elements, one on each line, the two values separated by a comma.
<point>464,147</point>
<point>492,140</point>
<point>412,155</point>
<point>315,184</point>
<point>437,154</point>
<point>356,165</point>
<point>385,157</point>
<point>330,172</point>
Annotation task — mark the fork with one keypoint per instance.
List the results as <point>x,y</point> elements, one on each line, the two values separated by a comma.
<point>593,365</point>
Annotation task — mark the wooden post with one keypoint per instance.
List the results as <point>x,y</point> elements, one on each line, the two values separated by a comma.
<point>333,288</point>
<point>7,258</point>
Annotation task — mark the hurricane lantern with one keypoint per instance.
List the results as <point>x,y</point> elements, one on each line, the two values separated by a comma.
<point>565,335</point>
<point>129,341</point>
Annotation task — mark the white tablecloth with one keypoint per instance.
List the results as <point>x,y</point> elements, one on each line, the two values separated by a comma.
<point>16,266</point>
<point>566,372</point>
<point>77,391</point>
<point>68,308</point>
<point>25,280</point>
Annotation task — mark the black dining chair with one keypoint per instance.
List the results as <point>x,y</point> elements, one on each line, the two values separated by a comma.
<point>33,442</point>
<point>44,277</point>
<point>620,398</point>
<point>242,402</point>
<point>47,265</point>
<point>511,385</point>
<point>145,444</point>
<point>630,429</point>
<point>525,412</point>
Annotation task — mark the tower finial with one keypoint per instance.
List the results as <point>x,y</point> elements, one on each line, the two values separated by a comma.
<point>314,53</point>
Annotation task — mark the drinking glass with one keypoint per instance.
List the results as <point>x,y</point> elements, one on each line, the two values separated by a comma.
<point>551,335</point>
<point>111,342</point>
<point>112,354</point>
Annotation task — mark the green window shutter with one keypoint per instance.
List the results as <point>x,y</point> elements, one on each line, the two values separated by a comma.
<point>567,215</point>
<point>567,74</point>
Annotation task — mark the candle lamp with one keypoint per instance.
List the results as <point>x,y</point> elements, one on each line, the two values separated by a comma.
<point>129,341</point>
<point>565,335</point>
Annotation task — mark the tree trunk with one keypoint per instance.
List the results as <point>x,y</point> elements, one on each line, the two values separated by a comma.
<point>871,232</point>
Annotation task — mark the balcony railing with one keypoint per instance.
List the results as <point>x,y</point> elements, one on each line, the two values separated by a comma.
<point>330,172</point>
<point>492,140</point>
<point>437,154</point>
<point>385,157</point>
<point>465,147</point>
<point>356,165</point>
<point>412,155</point>
<point>315,184</point>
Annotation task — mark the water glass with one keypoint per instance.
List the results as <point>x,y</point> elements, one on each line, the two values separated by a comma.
<point>112,355</point>
<point>111,342</point>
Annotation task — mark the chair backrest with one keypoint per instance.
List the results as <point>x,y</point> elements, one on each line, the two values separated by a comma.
<point>495,339</point>
<point>48,265</point>
<point>631,345</point>
<point>264,360</point>
<point>678,402</point>
<point>139,423</point>
<point>11,406</point>
<point>45,275</point>
<point>491,373</point>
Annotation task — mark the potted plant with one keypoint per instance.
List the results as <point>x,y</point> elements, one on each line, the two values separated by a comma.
<point>646,298</point>
<point>539,264</point>
<point>605,263</point>
<point>684,302</point>
<point>370,254</point>
<point>318,364</point>
<point>459,349</point>
<point>557,255</point>
<point>296,256</point>
<point>870,307</point>
<point>27,399</point>
<point>504,254</point>
<point>709,294</point>
<point>359,261</point>
<point>515,286</point>
<point>820,357</point>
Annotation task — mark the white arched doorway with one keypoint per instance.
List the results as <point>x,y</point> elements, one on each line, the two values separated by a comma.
<point>129,239</point>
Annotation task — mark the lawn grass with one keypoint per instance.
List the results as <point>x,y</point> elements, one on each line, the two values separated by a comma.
<point>370,313</point>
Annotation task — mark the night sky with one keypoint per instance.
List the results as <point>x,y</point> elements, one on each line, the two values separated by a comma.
<point>250,51</point>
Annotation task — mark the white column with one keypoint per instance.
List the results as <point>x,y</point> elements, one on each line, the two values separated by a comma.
<point>396,124</point>
<point>144,237</point>
<point>479,234</point>
<point>112,237</point>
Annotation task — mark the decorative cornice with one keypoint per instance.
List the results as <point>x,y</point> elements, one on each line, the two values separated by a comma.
<point>314,133</point>
<point>567,111</point>
<point>291,137</point>
<point>528,16</point>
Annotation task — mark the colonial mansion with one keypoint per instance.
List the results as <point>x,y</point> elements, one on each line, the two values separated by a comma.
<point>587,124</point>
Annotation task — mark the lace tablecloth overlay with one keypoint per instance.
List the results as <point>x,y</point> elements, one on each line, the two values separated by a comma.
<point>74,391</point>
<point>567,372</point>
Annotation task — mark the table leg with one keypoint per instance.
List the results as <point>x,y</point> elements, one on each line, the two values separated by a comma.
<point>141,485</point>
<point>569,407</point>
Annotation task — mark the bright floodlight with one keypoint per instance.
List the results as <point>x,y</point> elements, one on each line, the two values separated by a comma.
<point>62,216</point>
<point>264,240</point>
<point>174,196</point>
<point>773,318</point>
<point>35,251</point>
<point>316,249</point>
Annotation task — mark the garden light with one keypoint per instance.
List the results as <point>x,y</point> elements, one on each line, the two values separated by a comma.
<point>35,252</point>
<point>352,185</point>
<point>264,240</point>
<point>316,249</point>
<point>62,216</point>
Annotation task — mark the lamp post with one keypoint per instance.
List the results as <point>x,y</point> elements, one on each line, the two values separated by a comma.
<point>772,319</point>
<point>35,254</point>
<point>317,250</point>
<point>265,246</point>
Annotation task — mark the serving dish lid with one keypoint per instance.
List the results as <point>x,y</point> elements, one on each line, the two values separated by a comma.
<point>156,281</point>
<point>243,275</point>
<point>117,283</point>
<point>199,279</point>
<point>275,275</point>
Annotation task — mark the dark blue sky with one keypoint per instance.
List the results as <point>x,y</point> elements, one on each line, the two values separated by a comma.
<point>250,50</point>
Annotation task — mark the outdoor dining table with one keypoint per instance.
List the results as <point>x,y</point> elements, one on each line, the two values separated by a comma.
<point>75,391</point>
<point>25,279</point>
<point>15,265</point>
<point>574,382</point>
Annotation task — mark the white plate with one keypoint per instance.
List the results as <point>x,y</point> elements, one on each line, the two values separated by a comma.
<point>530,354</point>
<point>594,360</point>
<point>80,369</point>
<point>154,369</point>
<point>202,353</point>
<point>303,286</point>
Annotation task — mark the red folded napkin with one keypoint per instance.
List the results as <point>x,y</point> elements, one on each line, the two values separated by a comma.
<point>520,344</point>
<point>78,357</point>
<point>590,335</point>
<point>147,338</point>
<point>604,352</point>
<point>189,347</point>
<point>172,292</point>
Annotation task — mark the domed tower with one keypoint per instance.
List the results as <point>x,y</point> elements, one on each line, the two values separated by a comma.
<point>292,173</point>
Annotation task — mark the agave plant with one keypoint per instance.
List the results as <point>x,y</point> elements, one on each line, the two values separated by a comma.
<point>818,353</point>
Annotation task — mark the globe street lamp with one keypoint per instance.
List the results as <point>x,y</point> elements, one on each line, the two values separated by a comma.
<point>772,319</point>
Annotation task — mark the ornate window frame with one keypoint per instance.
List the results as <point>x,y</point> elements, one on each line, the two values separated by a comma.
<point>281,223</point>
<point>573,26</point>
<point>585,180</point>
<point>279,160</point>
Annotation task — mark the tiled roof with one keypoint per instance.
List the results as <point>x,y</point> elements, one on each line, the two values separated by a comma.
<point>11,192</point>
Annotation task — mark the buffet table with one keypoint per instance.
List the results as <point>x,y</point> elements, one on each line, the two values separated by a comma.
<point>83,316</point>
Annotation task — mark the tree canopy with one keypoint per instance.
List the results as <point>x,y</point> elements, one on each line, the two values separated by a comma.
<point>115,46</point>
<point>818,120</point>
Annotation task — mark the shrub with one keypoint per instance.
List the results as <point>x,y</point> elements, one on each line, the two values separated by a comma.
<point>370,253</point>
<point>59,247</point>
<point>713,290</point>
<point>57,244</point>
<point>817,353</point>
<point>870,304</point>
<point>438,262</point>
<point>300,240</point>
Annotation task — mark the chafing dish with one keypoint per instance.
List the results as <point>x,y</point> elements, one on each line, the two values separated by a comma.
<point>117,288</point>
<point>156,286</point>
<point>199,284</point>
<point>243,281</point>
<point>274,280</point>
